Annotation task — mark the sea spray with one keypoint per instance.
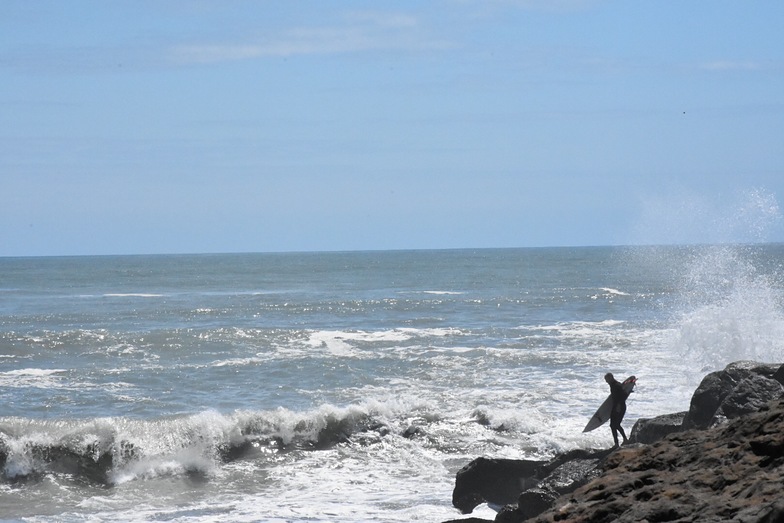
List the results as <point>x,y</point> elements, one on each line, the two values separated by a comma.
<point>731,310</point>
<point>724,298</point>
<point>337,386</point>
<point>731,302</point>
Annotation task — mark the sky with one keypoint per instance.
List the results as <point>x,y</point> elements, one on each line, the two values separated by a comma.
<point>199,126</point>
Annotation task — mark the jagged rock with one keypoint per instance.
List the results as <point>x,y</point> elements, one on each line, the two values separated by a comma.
<point>495,481</point>
<point>716,386</point>
<point>566,472</point>
<point>729,473</point>
<point>652,430</point>
<point>560,475</point>
<point>534,501</point>
<point>779,375</point>
<point>507,481</point>
<point>733,471</point>
<point>749,396</point>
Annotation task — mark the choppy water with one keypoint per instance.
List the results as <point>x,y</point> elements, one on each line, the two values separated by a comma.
<point>344,386</point>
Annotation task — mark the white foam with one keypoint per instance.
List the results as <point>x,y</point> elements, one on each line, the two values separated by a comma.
<point>730,312</point>
<point>346,343</point>
<point>616,292</point>
<point>133,295</point>
<point>33,377</point>
<point>185,461</point>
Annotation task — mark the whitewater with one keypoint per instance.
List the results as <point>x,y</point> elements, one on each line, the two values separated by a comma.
<point>345,386</point>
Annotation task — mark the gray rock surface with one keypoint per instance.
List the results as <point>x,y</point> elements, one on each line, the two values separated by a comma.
<point>723,460</point>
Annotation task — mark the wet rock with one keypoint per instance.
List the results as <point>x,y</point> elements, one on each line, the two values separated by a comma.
<point>413,431</point>
<point>779,375</point>
<point>559,476</point>
<point>533,502</point>
<point>749,396</point>
<point>494,481</point>
<point>565,471</point>
<point>729,473</point>
<point>652,430</point>
<point>716,386</point>
<point>733,471</point>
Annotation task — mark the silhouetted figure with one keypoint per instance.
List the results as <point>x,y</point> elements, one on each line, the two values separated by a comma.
<point>618,406</point>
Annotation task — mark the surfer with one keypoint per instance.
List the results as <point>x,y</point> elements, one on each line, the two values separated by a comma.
<point>618,395</point>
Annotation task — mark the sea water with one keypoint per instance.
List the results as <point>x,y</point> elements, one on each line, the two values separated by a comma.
<point>345,386</point>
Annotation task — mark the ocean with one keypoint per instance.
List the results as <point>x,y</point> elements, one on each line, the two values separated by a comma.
<point>347,386</point>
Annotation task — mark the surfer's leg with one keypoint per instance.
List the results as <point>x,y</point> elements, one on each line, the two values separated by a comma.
<point>621,414</point>
<point>620,429</point>
<point>614,433</point>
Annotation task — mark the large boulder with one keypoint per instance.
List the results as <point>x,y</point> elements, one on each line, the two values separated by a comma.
<point>651,430</point>
<point>526,487</point>
<point>715,388</point>
<point>495,481</point>
<point>559,476</point>
<point>750,395</point>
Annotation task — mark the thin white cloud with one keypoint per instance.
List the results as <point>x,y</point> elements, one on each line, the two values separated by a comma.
<point>551,5</point>
<point>397,20</point>
<point>363,31</point>
<point>728,65</point>
<point>544,6</point>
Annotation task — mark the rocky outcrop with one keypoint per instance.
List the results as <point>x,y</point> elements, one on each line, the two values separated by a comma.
<point>529,487</point>
<point>561,475</point>
<point>494,481</point>
<point>740,388</point>
<point>734,472</point>
<point>723,460</point>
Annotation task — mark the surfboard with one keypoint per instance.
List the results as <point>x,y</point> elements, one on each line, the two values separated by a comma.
<point>602,414</point>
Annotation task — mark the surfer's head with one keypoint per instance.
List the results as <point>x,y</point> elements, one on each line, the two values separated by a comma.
<point>609,377</point>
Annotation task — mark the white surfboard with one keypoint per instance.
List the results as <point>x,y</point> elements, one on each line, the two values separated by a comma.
<point>602,414</point>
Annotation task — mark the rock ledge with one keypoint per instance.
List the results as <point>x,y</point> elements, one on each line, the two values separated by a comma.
<point>723,460</point>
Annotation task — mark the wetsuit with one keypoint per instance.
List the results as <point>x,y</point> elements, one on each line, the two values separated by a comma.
<point>618,408</point>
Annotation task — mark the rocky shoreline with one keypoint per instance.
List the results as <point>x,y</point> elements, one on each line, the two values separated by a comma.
<point>722,460</point>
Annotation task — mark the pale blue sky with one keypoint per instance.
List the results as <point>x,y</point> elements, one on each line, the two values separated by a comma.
<point>224,126</point>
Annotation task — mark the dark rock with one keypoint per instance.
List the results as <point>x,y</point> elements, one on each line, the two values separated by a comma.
<point>534,501</point>
<point>716,386</point>
<point>560,475</point>
<point>779,375</point>
<point>527,486</point>
<point>652,430</point>
<point>749,396</point>
<point>729,473</point>
<point>566,472</point>
<point>508,514</point>
<point>413,431</point>
<point>495,481</point>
